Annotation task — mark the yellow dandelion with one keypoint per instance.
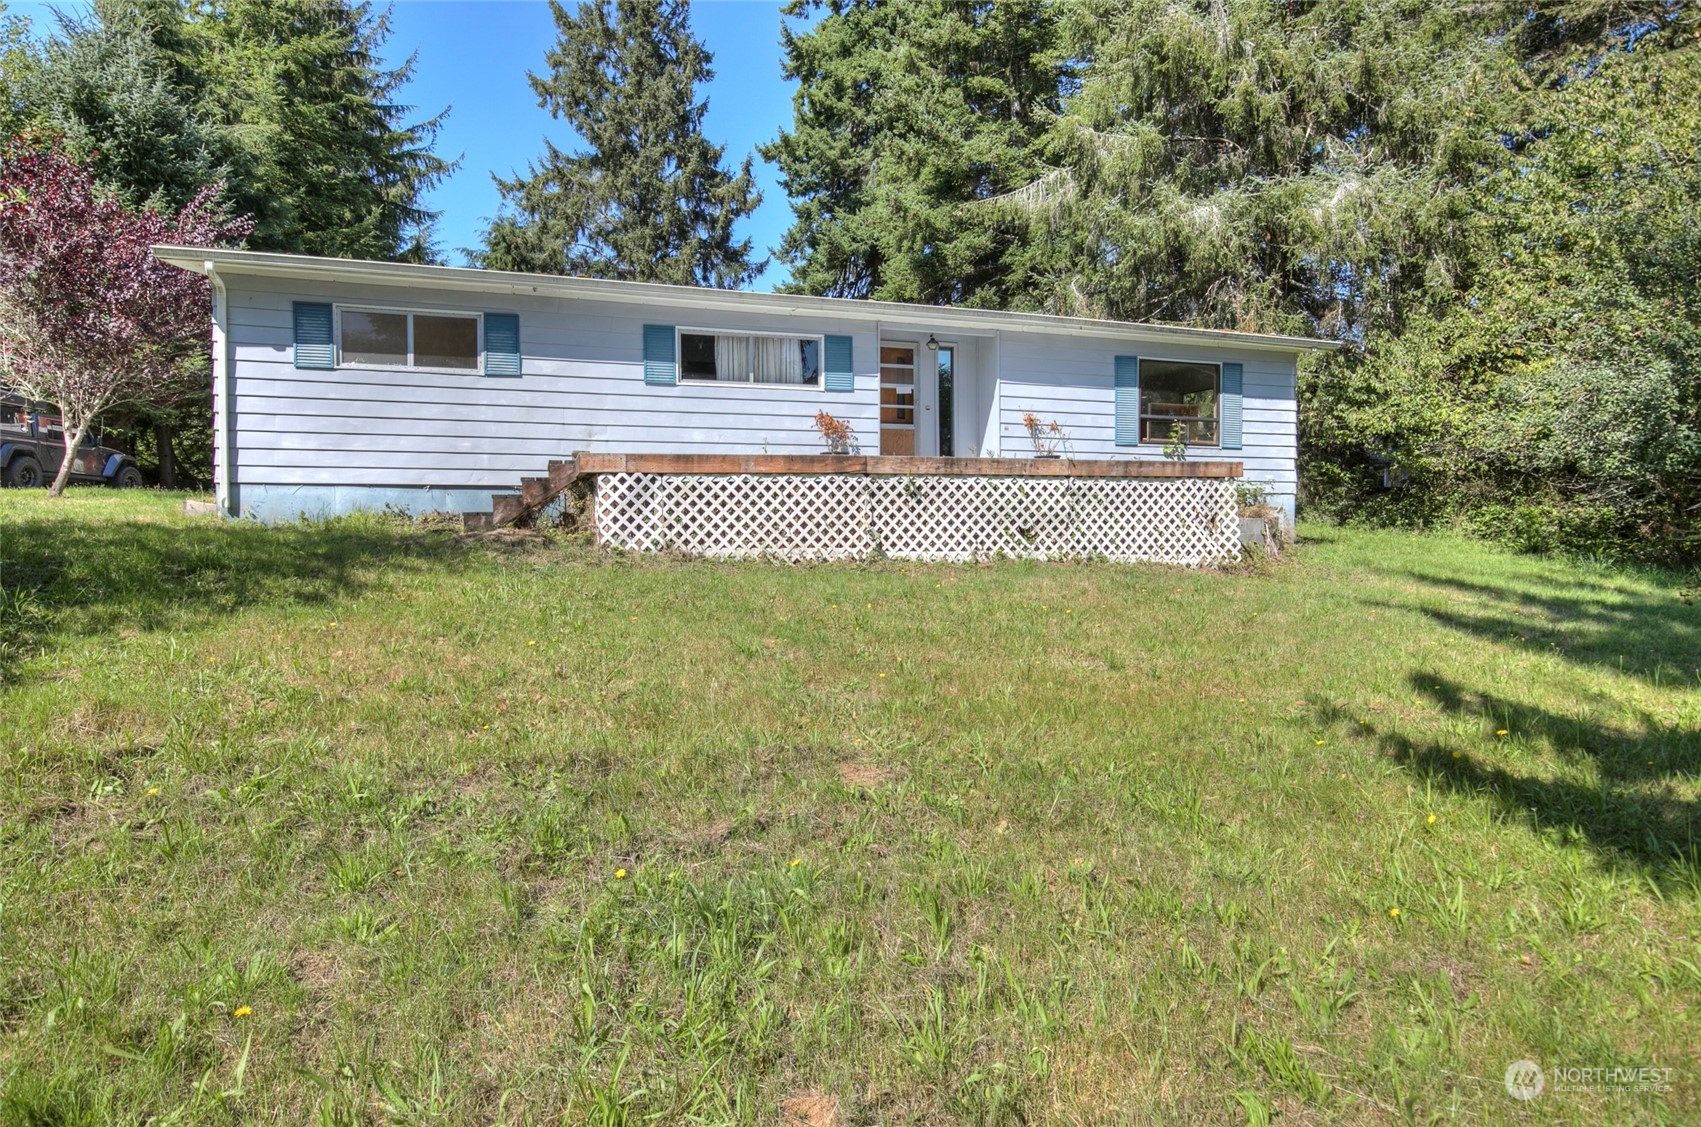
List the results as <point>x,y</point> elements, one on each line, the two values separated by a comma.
<point>1393,913</point>
<point>620,874</point>
<point>1457,754</point>
<point>1502,732</point>
<point>1431,819</point>
<point>882,675</point>
<point>796,861</point>
<point>153,790</point>
<point>242,1011</point>
<point>1242,700</point>
<point>1319,743</point>
<point>1343,774</point>
<point>533,642</point>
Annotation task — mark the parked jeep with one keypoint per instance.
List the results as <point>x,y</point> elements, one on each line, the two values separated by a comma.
<point>32,444</point>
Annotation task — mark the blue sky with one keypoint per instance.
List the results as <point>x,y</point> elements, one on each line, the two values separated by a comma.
<point>473,56</point>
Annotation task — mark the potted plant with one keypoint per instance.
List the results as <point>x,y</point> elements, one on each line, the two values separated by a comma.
<point>1048,438</point>
<point>836,433</point>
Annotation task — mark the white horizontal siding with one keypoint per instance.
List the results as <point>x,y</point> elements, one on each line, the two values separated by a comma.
<point>583,389</point>
<point>1072,381</point>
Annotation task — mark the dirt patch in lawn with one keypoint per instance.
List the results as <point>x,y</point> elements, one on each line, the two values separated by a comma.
<point>868,775</point>
<point>812,1109</point>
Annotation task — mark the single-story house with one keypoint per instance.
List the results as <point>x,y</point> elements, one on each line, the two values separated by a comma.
<point>343,385</point>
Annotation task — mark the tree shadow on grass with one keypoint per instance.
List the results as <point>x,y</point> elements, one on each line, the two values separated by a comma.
<point>1640,812</point>
<point>1654,637</point>
<point>92,578</point>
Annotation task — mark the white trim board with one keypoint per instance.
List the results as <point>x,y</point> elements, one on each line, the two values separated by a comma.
<point>921,317</point>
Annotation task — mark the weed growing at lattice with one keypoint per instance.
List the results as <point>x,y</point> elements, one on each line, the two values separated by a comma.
<point>358,822</point>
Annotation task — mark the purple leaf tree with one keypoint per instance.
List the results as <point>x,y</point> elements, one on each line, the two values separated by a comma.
<point>89,319</point>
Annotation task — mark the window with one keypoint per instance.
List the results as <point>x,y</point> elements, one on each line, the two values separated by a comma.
<point>381,339</point>
<point>750,358</point>
<point>1177,393</point>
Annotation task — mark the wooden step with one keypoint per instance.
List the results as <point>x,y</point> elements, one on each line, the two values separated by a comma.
<point>508,509</point>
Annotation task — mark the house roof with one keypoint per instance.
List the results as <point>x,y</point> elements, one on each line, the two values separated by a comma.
<point>931,317</point>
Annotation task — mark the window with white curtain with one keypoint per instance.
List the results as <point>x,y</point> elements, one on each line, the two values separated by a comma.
<point>750,358</point>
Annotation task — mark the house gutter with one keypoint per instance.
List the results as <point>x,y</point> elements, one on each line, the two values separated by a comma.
<point>223,455</point>
<point>980,322</point>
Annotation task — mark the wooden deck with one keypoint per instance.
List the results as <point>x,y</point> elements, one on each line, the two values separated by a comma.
<point>586,464</point>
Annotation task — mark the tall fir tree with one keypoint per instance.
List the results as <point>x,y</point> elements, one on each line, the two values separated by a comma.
<point>108,82</point>
<point>1251,165</point>
<point>284,101</point>
<point>325,157</point>
<point>647,198</point>
<point>904,115</point>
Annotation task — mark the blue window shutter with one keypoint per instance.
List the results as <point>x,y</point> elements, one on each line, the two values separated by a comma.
<point>1128,401</point>
<point>660,370</point>
<point>501,344</point>
<point>1232,377</point>
<point>313,345</point>
<point>841,369</point>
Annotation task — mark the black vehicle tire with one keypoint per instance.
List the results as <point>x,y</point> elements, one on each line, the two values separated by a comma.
<point>24,472</point>
<point>127,477</point>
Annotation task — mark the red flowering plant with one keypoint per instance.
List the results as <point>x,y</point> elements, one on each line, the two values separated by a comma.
<point>838,434</point>
<point>89,318</point>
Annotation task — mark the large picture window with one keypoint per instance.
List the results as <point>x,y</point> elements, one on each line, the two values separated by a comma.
<point>750,358</point>
<point>1180,394</point>
<point>375,338</point>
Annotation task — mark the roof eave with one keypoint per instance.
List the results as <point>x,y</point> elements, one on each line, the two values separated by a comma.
<point>202,260</point>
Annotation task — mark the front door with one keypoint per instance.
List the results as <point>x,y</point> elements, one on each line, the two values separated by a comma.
<point>897,398</point>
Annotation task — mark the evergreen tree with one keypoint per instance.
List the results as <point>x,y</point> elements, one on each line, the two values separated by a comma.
<point>1301,168</point>
<point>1556,401</point>
<point>283,100</point>
<point>904,114</point>
<point>108,87</point>
<point>18,62</point>
<point>323,157</point>
<point>647,198</point>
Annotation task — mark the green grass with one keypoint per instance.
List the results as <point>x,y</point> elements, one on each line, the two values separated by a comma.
<point>474,833</point>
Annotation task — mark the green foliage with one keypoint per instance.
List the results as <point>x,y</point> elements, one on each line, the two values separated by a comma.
<point>1554,401</point>
<point>1258,166</point>
<point>322,155</point>
<point>18,62</point>
<point>904,114</point>
<point>647,199</point>
<point>106,87</point>
<point>284,102</point>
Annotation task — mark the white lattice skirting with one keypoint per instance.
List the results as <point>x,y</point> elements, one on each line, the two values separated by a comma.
<point>1190,521</point>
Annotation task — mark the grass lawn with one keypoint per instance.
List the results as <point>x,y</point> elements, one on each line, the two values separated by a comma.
<point>358,823</point>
